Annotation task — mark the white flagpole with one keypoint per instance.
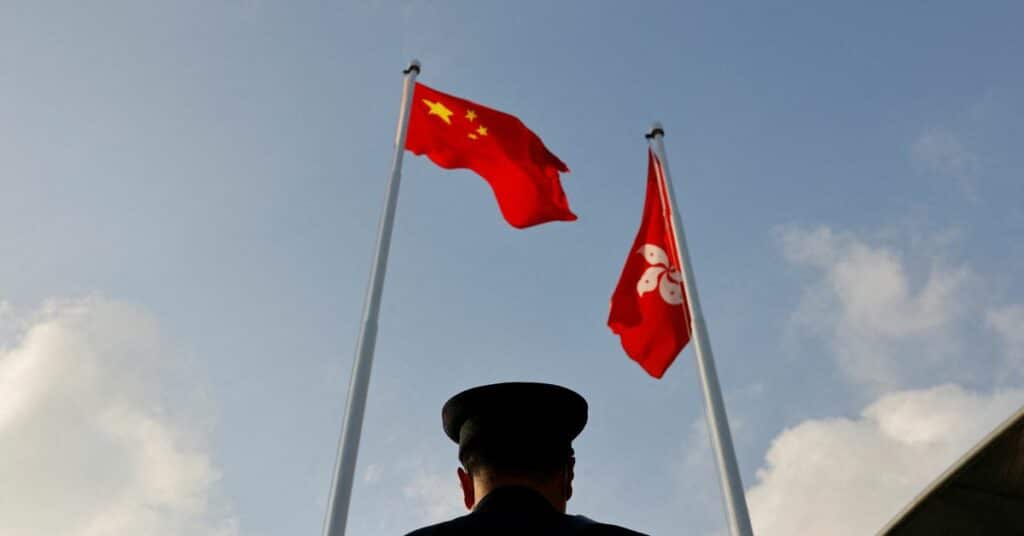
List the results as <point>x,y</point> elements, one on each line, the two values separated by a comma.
<point>348,446</point>
<point>718,422</point>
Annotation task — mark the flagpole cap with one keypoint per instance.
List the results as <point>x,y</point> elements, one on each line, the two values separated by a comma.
<point>656,129</point>
<point>414,65</point>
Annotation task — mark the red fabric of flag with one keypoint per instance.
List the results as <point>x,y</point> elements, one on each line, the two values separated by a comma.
<point>649,312</point>
<point>522,172</point>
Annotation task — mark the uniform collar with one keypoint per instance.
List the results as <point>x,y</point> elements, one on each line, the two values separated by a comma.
<point>514,498</point>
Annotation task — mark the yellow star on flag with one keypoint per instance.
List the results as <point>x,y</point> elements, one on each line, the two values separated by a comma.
<point>439,109</point>
<point>482,130</point>
<point>471,115</point>
<point>471,136</point>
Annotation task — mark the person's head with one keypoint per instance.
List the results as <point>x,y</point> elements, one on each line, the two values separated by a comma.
<point>516,434</point>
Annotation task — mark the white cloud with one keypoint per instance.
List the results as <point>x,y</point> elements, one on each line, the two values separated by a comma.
<point>1008,323</point>
<point>437,497</point>
<point>372,474</point>
<point>938,150</point>
<point>89,447</point>
<point>861,301</point>
<point>891,317</point>
<point>851,475</point>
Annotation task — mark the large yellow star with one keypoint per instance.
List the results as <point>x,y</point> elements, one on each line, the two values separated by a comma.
<point>438,109</point>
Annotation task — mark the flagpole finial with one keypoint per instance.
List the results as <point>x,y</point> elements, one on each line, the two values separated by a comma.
<point>414,65</point>
<point>656,129</point>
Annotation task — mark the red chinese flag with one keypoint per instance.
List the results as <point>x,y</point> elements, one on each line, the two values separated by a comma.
<point>457,133</point>
<point>649,312</point>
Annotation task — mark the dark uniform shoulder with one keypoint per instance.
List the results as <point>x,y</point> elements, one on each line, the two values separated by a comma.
<point>570,525</point>
<point>601,529</point>
<point>452,527</point>
<point>427,531</point>
<point>594,528</point>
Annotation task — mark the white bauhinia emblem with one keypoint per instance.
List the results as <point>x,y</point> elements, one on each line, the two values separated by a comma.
<point>660,275</point>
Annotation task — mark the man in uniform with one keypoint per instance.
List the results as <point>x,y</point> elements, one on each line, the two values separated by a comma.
<point>515,447</point>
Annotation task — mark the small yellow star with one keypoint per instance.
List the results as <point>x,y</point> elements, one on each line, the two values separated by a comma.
<point>471,136</point>
<point>471,115</point>
<point>438,109</point>
<point>482,130</point>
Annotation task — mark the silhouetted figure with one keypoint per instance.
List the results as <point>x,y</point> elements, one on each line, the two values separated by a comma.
<point>515,446</point>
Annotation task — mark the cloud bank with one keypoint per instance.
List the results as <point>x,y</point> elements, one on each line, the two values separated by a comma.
<point>849,476</point>
<point>889,327</point>
<point>883,326</point>
<point>91,446</point>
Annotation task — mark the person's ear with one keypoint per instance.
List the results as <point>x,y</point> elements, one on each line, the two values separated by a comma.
<point>569,475</point>
<point>468,492</point>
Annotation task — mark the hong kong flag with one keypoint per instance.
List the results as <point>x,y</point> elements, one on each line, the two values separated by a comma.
<point>649,312</point>
<point>522,172</point>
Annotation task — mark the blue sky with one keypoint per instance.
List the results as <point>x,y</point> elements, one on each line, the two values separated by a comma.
<point>188,203</point>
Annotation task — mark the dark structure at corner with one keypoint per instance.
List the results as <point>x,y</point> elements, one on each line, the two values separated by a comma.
<point>982,493</point>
